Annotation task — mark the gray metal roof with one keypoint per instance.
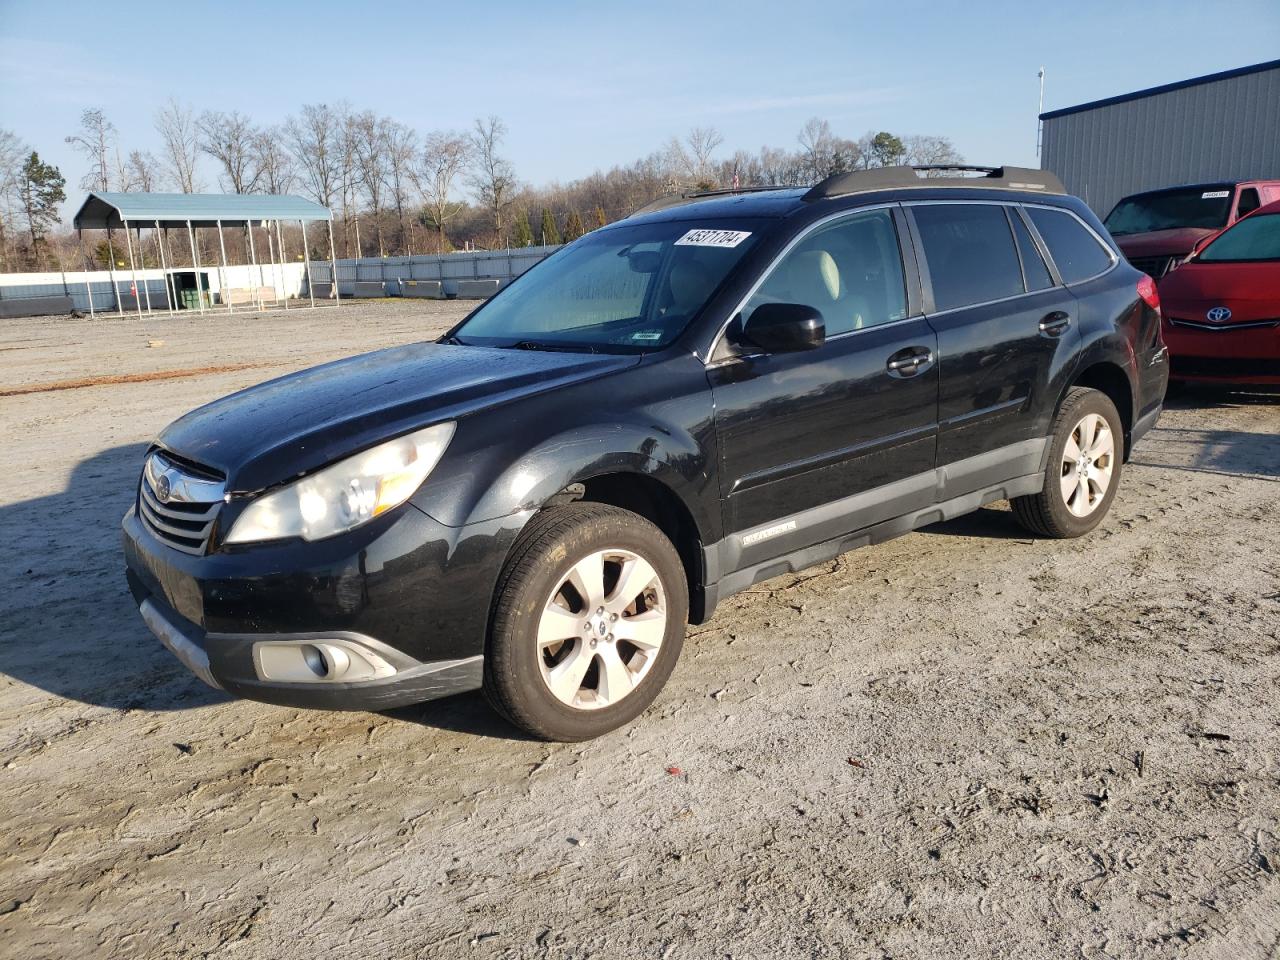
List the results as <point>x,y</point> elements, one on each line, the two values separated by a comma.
<point>102,210</point>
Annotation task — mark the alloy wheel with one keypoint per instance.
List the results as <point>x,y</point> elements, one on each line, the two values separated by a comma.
<point>1088,461</point>
<point>600,630</point>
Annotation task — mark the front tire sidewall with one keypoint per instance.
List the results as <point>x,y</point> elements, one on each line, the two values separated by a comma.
<point>528,701</point>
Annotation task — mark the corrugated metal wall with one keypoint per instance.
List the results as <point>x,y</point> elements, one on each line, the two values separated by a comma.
<point>1221,130</point>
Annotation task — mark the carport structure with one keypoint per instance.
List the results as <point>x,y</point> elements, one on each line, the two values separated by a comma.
<point>131,213</point>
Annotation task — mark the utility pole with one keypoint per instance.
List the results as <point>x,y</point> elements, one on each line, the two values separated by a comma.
<point>1039,122</point>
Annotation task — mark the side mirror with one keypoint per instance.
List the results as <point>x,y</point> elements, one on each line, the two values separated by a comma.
<point>785,327</point>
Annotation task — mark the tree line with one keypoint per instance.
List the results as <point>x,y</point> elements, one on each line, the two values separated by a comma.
<point>394,190</point>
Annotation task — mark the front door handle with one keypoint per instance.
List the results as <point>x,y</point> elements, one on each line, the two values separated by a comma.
<point>909,362</point>
<point>1055,324</point>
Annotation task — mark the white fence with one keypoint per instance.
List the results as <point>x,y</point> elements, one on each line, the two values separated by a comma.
<point>106,291</point>
<point>448,268</point>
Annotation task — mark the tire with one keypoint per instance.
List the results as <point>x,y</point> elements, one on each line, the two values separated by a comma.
<point>1070,503</point>
<point>543,634</point>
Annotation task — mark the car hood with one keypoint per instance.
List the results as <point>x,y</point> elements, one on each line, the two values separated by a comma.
<point>277,430</point>
<point>1162,243</point>
<point>1249,290</point>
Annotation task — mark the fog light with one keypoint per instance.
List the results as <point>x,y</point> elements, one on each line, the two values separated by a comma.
<point>328,660</point>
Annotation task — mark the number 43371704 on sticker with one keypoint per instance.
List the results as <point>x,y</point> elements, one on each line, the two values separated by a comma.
<point>713,238</point>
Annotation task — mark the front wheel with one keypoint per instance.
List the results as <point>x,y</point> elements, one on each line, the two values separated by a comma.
<point>1086,452</point>
<point>588,622</point>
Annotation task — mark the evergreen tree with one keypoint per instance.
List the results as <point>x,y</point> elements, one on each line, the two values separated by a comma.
<point>523,233</point>
<point>550,232</point>
<point>601,220</point>
<point>573,228</point>
<point>40,188</point>
<point>886,150</point>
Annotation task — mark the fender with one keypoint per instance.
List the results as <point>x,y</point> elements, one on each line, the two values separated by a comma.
<point>488,484</point>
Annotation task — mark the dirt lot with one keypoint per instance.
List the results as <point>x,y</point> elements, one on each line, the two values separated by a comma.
<point>965,742</point>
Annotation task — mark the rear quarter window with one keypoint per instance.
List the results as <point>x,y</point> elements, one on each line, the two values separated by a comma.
<point>1074,249</point>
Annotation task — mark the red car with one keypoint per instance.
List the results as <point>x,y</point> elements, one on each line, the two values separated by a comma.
<point>1222,307</point>
<point>1157,229</point>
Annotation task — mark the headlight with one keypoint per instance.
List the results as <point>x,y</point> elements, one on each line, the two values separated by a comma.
<point>347,494</point>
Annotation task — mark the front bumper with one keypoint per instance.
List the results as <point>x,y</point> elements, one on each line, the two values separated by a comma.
<point>413,595</point>
<point>1250,355</point>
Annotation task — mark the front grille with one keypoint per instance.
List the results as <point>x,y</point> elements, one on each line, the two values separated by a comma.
<point>1154,267</point>
<point>1224,327</point>
<point>184,516</point>
<point>1225,367</point>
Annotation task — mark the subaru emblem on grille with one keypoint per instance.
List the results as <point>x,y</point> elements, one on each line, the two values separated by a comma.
<point>163,488</point>
<point>1218,315</point>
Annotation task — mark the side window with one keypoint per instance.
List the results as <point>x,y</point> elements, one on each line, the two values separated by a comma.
<point>850,271</point>
<point>1249,202</point>
<point>1033,266</point>
<point>969,250</point>
<point>1074,249</point>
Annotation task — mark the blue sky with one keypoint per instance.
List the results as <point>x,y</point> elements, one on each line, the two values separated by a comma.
<point>582,86</point>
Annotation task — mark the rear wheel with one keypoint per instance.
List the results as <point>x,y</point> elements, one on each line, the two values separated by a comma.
<point>1083,472</point>
<point>588,622</point>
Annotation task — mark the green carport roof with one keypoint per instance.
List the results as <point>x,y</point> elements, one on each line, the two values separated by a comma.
<point>101,211</point>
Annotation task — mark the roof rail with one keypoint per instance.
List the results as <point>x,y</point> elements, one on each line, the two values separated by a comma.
<point>677,199</point>
<point>896,178</point>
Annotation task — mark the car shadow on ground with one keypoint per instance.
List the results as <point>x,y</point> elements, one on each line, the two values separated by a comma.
<point>70,626</point>
<point>1204,449</point>
<point>466,713</point>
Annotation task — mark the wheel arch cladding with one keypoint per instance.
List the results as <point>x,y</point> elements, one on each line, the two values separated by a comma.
<point>652,499</point>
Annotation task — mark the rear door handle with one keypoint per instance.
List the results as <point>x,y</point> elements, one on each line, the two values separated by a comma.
<point>909,362</point>
<point>1055,324</point>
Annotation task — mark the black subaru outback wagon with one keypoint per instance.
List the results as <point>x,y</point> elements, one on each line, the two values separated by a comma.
<point>717,390</point>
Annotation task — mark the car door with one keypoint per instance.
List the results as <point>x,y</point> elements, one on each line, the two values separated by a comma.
<point>1006,327</point>
<point>820,442</point>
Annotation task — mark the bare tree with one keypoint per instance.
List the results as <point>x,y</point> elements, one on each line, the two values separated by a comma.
<point>690,160</point>
<point>272,160</point>
<point>924,151</point>
<point>402,148</point>
<point>369,143</point>
<point>12,153</point>
<point>312,140</point>
<point>494,179</point>
<point>443,158</point>
<point>140,172</point>
<point>176,125</point>
<point>229,139</point>
<point>95,140</point>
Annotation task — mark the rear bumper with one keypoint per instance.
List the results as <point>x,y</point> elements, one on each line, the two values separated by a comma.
<point>406,597</point>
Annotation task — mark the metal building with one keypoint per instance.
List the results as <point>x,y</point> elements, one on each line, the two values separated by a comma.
<point>1225,126</point>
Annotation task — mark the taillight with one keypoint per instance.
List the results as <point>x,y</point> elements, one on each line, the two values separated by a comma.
<point>1148,292</point>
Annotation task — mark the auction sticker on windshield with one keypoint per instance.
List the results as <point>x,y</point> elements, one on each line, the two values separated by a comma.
<point>713,238</point>
<point>1214,194</point>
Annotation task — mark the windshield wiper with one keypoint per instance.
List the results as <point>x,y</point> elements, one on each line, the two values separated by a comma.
<point>453,341</point>
<point>553,347</point>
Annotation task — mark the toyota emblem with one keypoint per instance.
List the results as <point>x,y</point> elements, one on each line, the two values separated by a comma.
<point>163,488</point>
<point>1218,315</point>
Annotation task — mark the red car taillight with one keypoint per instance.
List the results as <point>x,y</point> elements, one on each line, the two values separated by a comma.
<point>1148,292</point>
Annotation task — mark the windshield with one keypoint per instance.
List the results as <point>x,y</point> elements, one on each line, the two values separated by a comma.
<point>1254,238</point>
<point>1169,209</point>
<point>619,290</point>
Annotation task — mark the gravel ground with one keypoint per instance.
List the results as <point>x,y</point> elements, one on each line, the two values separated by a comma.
<point>965,742</point>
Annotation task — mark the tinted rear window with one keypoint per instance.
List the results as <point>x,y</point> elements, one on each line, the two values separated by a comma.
<point>969,250</point>
<point>1074,249</point>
